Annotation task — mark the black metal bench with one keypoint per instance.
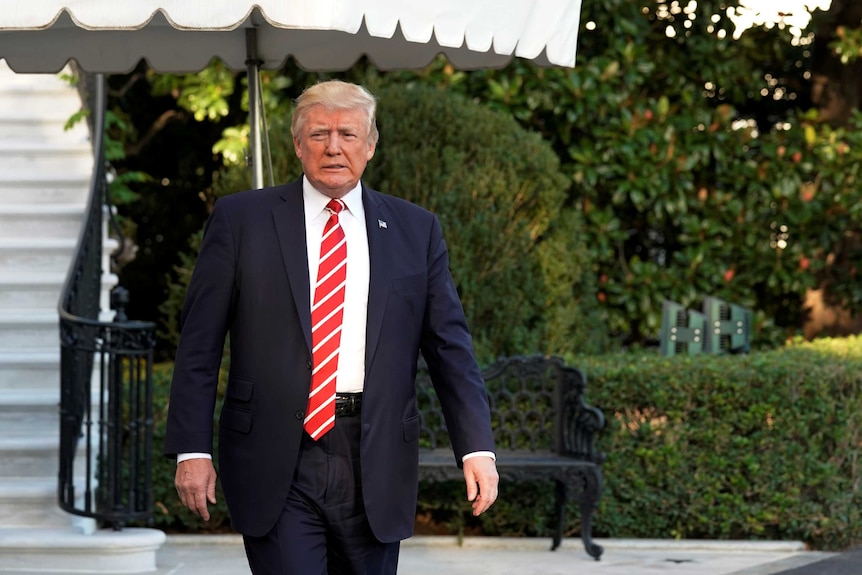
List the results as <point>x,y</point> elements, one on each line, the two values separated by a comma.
<point>543,430</point>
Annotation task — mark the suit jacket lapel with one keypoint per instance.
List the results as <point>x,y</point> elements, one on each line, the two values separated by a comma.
<point>289,219</point>
<point>378,255</point>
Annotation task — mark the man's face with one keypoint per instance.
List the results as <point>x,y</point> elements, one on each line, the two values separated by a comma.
<point>334,149</point>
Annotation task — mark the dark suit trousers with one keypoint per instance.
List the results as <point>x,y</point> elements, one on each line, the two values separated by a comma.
<point>323,529</point>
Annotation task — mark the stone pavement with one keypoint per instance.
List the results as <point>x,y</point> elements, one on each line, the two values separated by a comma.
<point>435,555</point>
<point>847,563</point>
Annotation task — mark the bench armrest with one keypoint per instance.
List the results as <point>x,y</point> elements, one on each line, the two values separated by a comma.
<point>581,421</point>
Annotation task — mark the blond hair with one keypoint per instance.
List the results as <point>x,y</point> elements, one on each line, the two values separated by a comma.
<point>336,95</point>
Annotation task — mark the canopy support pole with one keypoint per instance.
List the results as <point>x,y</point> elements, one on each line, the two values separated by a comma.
<point>254,108</point>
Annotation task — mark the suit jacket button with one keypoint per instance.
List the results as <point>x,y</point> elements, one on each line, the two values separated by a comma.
<point>300,415</point>
<point>308,364</point>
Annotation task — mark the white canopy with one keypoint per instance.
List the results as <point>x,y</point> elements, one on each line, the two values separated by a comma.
<point>112,36</point>
<point>184,35</point>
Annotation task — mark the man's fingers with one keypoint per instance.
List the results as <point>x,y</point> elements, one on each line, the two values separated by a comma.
<point>211,490</point>
<point>487,496</point>
<point>195,483</point>
<point>200,502</point>
<point>482,479</point>
<point>472,489</point>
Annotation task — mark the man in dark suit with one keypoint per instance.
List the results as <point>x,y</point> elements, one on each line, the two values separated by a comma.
<point>329,291</point>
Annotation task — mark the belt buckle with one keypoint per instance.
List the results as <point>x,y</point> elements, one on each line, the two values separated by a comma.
<point>346,405</point>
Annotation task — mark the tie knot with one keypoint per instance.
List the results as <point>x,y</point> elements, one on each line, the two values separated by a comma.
<point>335,206</point>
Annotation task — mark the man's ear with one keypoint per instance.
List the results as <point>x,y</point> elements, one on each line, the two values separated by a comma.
<point>296,147</point>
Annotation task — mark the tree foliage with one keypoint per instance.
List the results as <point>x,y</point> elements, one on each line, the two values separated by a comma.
<point>703,160</point>
<point>515,251</point>
<point>696,161</point>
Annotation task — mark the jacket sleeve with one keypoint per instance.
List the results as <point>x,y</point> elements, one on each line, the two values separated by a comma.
<point>448,350</point>
<point>204,325</point>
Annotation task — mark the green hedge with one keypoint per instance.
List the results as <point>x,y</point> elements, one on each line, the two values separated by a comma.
<point>763,446</point>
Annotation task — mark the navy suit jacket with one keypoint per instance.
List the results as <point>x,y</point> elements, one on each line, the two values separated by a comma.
<point>251,281</point>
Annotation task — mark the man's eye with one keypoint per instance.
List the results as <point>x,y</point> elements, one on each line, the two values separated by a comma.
<point>318,136</point>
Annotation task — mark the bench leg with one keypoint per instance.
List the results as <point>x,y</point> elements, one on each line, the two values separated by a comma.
<point>560,496</point>
<point>589,503</point>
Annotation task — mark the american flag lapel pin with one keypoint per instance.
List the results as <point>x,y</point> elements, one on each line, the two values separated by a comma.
<point>381,224</point>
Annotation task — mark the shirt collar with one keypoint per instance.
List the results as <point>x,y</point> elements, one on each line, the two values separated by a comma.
<point>315,201</point>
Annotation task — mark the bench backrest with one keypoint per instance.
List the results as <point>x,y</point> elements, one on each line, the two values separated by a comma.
<point>536,404</point>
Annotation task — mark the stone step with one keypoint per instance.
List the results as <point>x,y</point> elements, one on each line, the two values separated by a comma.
<point>20,187</point>
<point>54,106</point>
<point>31,421</point>
<point>29,329</point>
<point>41,220</point>
<point>31,400</point>
<point>29,456</point>
<point>37,291</point>
<point>30,370</point>
<point>46,157</point>
<point>32,255</point>
<point>30,291</point>
<point>24,125</point>
<point>27,502</point>
<point>53,99</point>
<point>33,416</point>
<point>132,550</point>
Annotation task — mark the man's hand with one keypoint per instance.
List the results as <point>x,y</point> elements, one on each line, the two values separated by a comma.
<point>482,479</point>
<point>195,482</point>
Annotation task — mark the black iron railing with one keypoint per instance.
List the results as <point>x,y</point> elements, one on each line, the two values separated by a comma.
<point>105,375</point>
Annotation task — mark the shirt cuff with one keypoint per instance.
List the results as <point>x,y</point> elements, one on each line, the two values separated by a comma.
<point>479,454</point>
<point>186,456</point>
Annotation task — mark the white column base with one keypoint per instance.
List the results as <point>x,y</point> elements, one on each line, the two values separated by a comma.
<point>132,550</point>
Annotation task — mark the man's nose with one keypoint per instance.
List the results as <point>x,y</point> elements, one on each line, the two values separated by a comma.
<point>333,145</point>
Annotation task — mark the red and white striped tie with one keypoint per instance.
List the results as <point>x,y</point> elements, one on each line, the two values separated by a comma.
<point>327,313</point>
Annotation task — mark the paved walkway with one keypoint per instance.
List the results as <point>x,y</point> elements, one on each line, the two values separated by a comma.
<point>428,555</point>
<point>222,555</point>
<point>848,563</point>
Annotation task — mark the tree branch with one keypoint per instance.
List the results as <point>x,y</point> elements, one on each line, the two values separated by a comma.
<point>130,81</point>
<point>134,149</point>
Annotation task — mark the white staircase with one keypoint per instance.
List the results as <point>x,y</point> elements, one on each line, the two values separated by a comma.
<point>44,180</point>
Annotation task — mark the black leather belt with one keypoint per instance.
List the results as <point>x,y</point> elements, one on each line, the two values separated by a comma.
<point>348,404</point>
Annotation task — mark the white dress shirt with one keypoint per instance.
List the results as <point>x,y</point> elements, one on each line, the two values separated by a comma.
<point>350,376</point>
